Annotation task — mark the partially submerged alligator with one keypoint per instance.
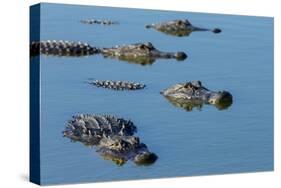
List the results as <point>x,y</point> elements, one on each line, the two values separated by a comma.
<point>194,94</point>
<point>62,48</point>
<point>179,28</point>
<point>140,53</point>
<point>101,22</point>
<point>117,85</point>
<point>113,137</point>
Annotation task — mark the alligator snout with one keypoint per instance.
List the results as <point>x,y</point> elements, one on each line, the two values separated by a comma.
<point>220,97</point>
<point>180,56</point>
<point>216,30</point>
<point>145,158</point>
<point>221,100</point>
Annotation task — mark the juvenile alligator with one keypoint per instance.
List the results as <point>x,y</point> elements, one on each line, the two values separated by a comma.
<point>62,48</point>
<point>179,28</point>
<point>194,94</point>
<point>117,85</point>
<point>113,137</point>
<point>101,22</point>
<point>140,53</point>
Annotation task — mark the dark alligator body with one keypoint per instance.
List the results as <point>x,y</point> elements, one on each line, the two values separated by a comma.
<point>100,22</point>
<point>140,53</point>
<point>193,94</point>
<point>112,136</point>
<point>62,48</point>
<point>117,85</point>
<point>179,28</point>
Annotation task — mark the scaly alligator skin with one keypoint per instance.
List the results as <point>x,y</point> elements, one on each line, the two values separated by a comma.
<point>113,137</point>
<point>140,53</point>
<point>62,48</point>
<point>117,85</point>
<point>101,22</point>
<point>194,94</point>
<point>179,28</point>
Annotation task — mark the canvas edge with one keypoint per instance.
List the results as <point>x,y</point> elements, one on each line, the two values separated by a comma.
<point>34,96</point>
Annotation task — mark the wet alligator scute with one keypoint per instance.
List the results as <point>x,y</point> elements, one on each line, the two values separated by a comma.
<point>179,28</point>
<point>62,48</point>
<point>193,94</point>
<point>117,85</point>
<point>140,53</point>
<point>112,136</point>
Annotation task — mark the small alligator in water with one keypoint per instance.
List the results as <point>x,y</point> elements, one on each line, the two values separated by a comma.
<point>117,85</point>
<point>101,22</point>
<point>179,28</point>
<point>62,48</point>
<point>194,94</point>
<point>113,137</point>
<point>140,53</point>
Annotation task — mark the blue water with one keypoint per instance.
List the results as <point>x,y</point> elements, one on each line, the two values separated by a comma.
<point>200,142</point>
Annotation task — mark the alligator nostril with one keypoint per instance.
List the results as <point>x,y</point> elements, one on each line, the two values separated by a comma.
<point>226,96</point>
<point>180,56</point>
<point>145,158</point>
<point>216,30</point>
<point>224,101</point>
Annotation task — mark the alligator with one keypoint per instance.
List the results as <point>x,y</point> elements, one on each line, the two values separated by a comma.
<point>179,28</point>
<point>112,136</point>
<point>140,53</point>
<point>62,48</point>
<point>117,85</point>
<point>194,94</point>
<point>101,22</point>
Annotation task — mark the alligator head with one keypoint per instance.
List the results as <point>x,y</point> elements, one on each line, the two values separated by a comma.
<point>113,138</point>
<point>193,94</point>
<point>179,28</point>
<point>140,53</point>
<point>120,149</point>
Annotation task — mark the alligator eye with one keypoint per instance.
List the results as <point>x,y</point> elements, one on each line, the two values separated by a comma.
<point>116,144</point>
<point>142,47</point>
<point>179,22</point>
<point>187,85</point>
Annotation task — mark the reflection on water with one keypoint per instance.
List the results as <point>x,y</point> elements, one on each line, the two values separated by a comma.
<point>189,105</point>
<point>141,60</point>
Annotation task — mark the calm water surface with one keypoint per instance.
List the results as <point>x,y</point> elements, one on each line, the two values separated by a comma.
<point>200,142</point>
